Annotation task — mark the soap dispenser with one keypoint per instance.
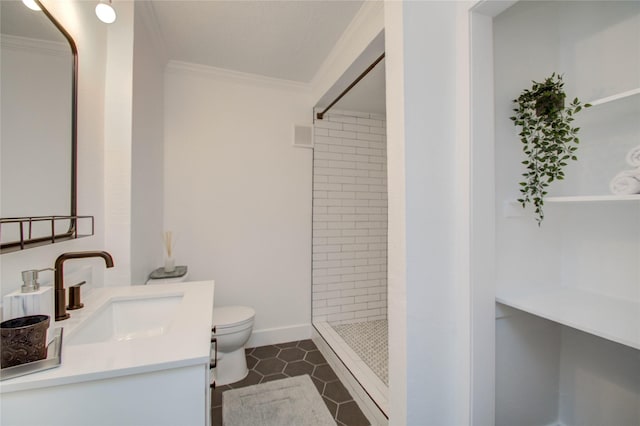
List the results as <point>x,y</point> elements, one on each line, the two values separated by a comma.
<point>30,280</point>
<point>31,299</point>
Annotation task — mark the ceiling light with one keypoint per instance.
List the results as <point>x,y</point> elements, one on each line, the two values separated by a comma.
<point>31,4</point>
<point>105,12</point>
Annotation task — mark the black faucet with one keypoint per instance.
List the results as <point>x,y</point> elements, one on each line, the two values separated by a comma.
<point>61,310</point>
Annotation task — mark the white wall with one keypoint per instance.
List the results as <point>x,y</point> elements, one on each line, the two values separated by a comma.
<point>147,158</point>
<point>90,35</point>
<point>577,51</point>
<point>118,144</point>
<point>527,368</point>
<point>429,345</point>
<point>599,381</point>
<point>238,194</point>
<point>581,379</point>
<point>133,150</point>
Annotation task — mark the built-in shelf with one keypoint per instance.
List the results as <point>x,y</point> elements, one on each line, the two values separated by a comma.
<point>592,198</point>
<point>615,97</point>
<point>612,319</point>
<point>512,208</point>
<point>28,236</point>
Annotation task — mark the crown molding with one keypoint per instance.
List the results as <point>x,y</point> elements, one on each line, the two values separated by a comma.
<point>236,76</point>
<point>34,45</point>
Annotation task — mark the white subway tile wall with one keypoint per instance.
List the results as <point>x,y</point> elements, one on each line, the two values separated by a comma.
<point>349,277</point>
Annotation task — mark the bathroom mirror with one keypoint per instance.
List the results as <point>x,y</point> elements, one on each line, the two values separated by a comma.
<point>38,82</point>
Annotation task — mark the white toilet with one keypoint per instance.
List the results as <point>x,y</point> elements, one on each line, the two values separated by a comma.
<point>233,326</point>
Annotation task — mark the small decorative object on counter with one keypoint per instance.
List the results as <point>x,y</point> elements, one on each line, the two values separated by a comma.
<point>31,299</point>
<point>169,264</point>
<point>548,138</point>
<point>23,340</point>
<point>161,273</point>
<point>30,280</point>
<point>169,261</point>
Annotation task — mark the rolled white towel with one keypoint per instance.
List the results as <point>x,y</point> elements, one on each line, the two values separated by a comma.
<point>633,157</point>
<point>626,182</point>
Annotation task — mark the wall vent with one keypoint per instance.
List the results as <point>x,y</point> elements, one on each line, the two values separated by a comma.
<point>303,136</point>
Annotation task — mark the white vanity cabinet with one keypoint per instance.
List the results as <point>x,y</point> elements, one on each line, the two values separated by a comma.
<point>567,328</point>
<point>134,355</point>
<point>176,396</point>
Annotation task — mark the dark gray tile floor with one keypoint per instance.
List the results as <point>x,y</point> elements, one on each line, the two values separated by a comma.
<point>284,360</point>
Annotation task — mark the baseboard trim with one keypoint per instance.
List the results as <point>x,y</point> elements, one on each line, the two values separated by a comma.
<point>272,336</point>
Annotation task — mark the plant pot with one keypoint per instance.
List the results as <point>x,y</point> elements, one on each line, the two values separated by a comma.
<point>549,103</point>
<point>23,340</point>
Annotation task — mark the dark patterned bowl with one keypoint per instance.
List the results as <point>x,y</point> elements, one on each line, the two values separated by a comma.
<point>23,340</point>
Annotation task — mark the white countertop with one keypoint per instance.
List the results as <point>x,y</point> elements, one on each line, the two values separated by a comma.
<point>185,343</point>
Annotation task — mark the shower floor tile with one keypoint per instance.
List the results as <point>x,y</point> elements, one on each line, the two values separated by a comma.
<point>370,341</point>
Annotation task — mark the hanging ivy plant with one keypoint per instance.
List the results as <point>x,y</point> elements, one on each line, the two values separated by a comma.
<point>547,136</point>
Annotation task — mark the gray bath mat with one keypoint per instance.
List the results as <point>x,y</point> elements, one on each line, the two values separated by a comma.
<point>290,401</point>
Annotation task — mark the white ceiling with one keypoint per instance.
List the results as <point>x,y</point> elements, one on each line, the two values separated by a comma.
<point>281,39</point>
<point>286,40</point>
<point>18,20</point>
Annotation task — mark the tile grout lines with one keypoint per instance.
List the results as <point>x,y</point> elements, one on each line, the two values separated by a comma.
<point>291,359</point>
<point>370,341</point>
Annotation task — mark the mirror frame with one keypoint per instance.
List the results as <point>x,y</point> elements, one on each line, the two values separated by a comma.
<point>71,233</point>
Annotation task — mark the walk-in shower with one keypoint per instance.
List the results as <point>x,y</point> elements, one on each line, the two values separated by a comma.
<point>349,268</point>
<point>349,282</point>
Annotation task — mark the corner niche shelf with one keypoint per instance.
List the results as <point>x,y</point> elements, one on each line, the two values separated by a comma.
<point>28,237</point>
<point>610,318</point>
<point>512,208</point>
<point>615,97</point>
<point>617,320</point>
<point>601,198</point>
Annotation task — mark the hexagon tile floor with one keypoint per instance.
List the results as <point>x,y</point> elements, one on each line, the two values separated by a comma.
<point>294,359</point>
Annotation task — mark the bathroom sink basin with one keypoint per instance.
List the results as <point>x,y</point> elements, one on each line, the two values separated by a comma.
<point>123,331</point>
<point>123,319</point>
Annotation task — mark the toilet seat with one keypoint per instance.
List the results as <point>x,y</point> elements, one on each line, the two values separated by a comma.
<point>227,317</point>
